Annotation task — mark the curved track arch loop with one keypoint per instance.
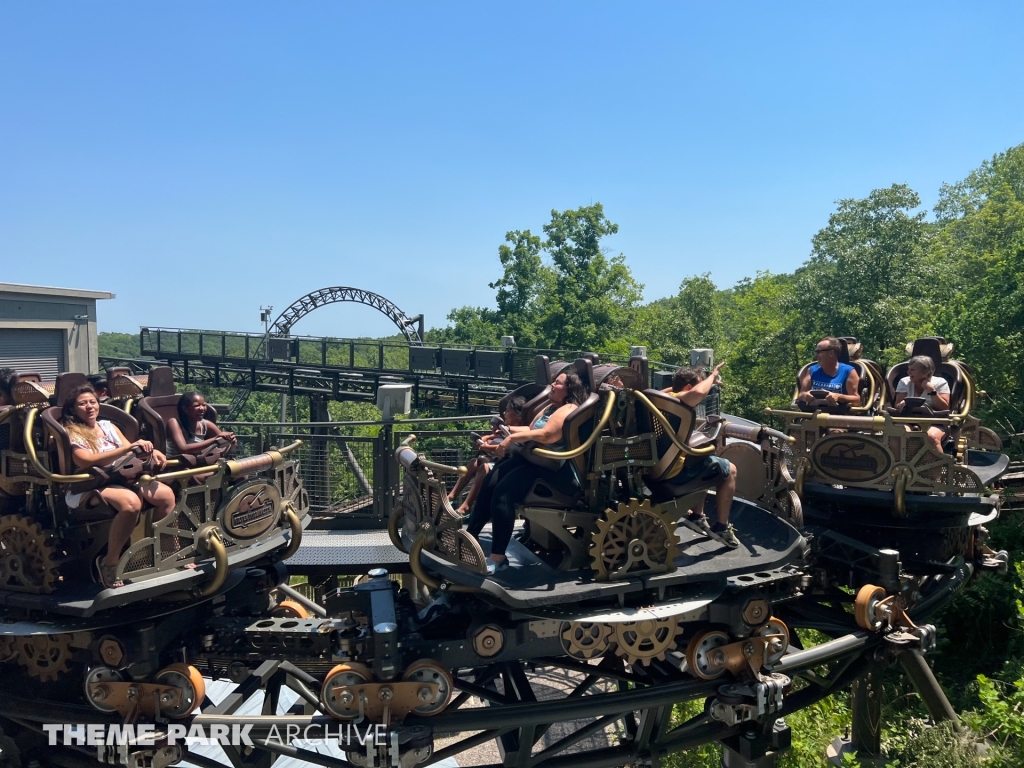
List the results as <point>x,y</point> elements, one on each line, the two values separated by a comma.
<point>411,327</point>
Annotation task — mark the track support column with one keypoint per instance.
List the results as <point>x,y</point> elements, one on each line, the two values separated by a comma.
<point>931,693</point>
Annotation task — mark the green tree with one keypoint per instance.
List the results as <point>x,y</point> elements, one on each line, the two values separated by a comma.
<point>520,290</point>
<point>866,273</point>
<point>593,295</point>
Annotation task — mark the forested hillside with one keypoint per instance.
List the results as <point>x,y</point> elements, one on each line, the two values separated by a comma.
<point>884,271</point>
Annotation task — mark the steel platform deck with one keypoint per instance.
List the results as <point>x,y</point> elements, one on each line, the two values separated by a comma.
<point>346,552</point>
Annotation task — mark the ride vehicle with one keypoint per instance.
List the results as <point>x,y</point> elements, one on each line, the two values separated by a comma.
<point>617,608</point>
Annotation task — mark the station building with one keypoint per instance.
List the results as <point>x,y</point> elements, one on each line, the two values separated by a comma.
<point>48,330</point>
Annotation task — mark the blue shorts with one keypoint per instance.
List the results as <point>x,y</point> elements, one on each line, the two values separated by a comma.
<point>709,469</point>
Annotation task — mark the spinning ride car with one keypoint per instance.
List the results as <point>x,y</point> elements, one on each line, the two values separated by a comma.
<point>242,510</point>
<point>871,472</point>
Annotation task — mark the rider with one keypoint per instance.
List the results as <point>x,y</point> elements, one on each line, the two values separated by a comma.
<point>510,481</point>
<point>839,380</point>
<point>693,388</point>
<point>191,433</point>
<point>921,381</point>
<point>477,469</point>
<point>97,442</point>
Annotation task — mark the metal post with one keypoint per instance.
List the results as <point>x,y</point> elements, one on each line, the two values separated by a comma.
<point>935,701</point>
<point>866,732</point>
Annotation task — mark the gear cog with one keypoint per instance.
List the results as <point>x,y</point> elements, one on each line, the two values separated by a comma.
<point>27,556</point>
<point>45,656</point>
<point>584,639</point>
<point>634,537</point>
<point>642,641</point>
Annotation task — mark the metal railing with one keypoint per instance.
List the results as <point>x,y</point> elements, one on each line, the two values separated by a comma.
<point>394,356</point>
<point>349,469</point>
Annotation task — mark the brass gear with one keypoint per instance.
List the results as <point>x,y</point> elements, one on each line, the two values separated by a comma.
<point>8,649</point>
<point>635,537</point>
<point>585,639</point>
<point>27,556</point>
<point>640,642</point>
<point>46,657</point>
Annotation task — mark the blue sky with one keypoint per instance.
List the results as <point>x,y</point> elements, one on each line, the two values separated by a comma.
<point>199,159</point>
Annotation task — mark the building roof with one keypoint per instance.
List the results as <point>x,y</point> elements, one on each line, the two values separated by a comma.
<point>46,290</point>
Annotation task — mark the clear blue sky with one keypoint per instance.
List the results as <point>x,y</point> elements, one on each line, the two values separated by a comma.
<point>199,159</point>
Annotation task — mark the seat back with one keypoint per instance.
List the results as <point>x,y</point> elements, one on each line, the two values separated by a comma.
<point>584,368</point>
<point>938,349</point>
<point>160,382</point>
<point>66,384</point>
<point>577,428</point>
<point>155,413</point>
<point>679,415</point>
<point>51,418</point>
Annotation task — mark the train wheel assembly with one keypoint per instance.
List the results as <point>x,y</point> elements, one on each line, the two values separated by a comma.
<point>868,597</point>
<point>428,671</point>
<point>189,683</point>
<point>699,652</point>
<point>337,701</point>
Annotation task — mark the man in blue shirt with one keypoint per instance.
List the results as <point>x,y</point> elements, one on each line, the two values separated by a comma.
<point>839,380</point>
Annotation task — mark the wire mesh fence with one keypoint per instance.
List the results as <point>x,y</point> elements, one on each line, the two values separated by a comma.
<point>349,469</point>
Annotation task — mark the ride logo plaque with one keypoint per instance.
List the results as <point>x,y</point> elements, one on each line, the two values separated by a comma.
<point>252,510</point>
<point>846,458</point>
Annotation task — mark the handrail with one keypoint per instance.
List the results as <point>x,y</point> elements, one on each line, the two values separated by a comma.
<point>670,431</point>
<point>585,446</point>
<point>30,449</point>
<point>871,394</point>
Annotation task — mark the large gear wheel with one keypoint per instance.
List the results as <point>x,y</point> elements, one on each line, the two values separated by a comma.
<point>45,657</point>
<point>635,537</point>
<point>27,556</point>
<point>585,639</point>
<point>640,642</point>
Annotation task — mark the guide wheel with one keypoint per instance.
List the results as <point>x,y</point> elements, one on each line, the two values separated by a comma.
<point>698,654</point>
<point>191,685</point>
<point>429,671</point>
<point>868,597</point>
<point>338,702</point>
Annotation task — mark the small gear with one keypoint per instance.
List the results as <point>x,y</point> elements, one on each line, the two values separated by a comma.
<point>642,641</point>
<point>585,639</point>
<point>27,556</point>
<point>46,657</point>
<point>632,538</point>
<point>8,648</point>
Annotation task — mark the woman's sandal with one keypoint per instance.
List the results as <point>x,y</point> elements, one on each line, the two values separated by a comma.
<point>107,574</point>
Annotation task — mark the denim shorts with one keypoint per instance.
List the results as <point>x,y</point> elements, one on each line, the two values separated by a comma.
<point>708,469</point>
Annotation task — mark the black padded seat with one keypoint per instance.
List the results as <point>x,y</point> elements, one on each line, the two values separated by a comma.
<point>577,427</point>
<point>950,370</point>
<point>157,411</point>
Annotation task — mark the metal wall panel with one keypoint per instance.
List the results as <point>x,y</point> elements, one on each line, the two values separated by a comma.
<point>33,350</point>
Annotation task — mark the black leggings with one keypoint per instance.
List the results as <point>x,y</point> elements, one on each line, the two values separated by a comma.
<point>507,485</point>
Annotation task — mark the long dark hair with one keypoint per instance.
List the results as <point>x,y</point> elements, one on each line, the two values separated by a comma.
<point>70,419</point>
<point>576,390</point>
<point>186,400</point>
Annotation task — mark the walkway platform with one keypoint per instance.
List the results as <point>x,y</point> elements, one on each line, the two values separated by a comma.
<point>324,553</point>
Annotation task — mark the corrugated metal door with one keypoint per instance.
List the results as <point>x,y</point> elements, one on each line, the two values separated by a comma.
<point>32,350</point>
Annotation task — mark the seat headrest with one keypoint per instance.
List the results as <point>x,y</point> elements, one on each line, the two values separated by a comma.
<point>930,346</point>
<point>584,367</point>
<point>527,391</point>
<point>851,349</point>
<point>618,377</point>
<point>30,390</point>
<point>66,384</point>
<point>161,381</point>
<point>592,357</point>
